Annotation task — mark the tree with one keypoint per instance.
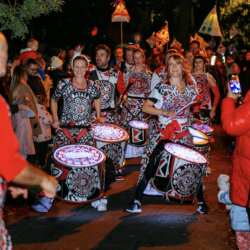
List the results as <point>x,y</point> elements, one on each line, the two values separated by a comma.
<point>15,16</point>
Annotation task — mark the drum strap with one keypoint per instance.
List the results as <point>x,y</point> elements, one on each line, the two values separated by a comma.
<point>170,132</point>
<point>67,133</point>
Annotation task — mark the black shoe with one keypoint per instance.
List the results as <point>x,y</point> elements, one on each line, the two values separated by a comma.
<point>203,208</point>
<point>134,207</point>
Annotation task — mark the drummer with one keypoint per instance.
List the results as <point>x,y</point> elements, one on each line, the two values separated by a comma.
<point>78,94</point>
<point>205,110</point>
<point>137,93</point>
<point>165,100</point>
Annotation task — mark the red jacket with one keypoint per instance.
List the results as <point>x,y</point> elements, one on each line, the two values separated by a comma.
<point>236,122</point>
<point>25,55</point>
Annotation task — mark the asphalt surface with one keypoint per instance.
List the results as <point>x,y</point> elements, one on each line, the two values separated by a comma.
<point>161,225</point>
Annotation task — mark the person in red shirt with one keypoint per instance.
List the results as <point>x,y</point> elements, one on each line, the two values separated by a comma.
<point>30,51</point>
<point>15,170</point>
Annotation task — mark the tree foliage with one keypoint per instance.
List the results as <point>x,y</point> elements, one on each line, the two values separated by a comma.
<point>16,16</point>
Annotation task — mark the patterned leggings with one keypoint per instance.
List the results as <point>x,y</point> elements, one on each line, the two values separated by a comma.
<point>243,240</point>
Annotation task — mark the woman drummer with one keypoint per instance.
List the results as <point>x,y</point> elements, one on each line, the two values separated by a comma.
<point>78,94</point>
<point>136,96</point>
<point>165,100</point>
<point>139,90</point>
<point>204,109</point>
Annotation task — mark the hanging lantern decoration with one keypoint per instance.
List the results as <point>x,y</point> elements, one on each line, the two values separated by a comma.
<point>233,32</point>
<point>176,45</point>
<point>162,36</point>
<point>211,26</point>
<point>221,49</point>
<point>151,40</point>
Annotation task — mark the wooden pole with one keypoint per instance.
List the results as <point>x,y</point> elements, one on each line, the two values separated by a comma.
<point>121,37</point>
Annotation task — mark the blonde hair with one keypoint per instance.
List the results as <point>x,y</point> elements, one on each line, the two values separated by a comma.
<point>178,58</point>
<point>18,74</point>
<point>31,41</point>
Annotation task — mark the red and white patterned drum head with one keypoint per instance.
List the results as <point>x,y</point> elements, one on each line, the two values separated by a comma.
<point>185,153</point>
<point>78,156</point>
<point>203,128</point>
<point>138,124</point>
<point>198,136</point>
<point>109,133</point>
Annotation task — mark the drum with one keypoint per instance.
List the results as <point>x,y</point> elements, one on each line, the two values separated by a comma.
<point>179,172</point>
<point>80,172</point>
<point>200,140</point>
<point>112,140</point>
<point>138,133</point>
<point>207,130</point>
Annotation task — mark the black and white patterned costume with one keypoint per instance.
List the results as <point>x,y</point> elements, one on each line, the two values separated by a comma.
<point>132,109</point>
<point>76,108</point>
<point>112,85</point>
<point>167,97</point>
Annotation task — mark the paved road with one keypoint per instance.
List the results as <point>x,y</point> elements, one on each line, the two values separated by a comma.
<point>160,226</point>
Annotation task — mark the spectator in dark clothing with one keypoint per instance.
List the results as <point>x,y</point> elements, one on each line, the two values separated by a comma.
<point>34,81</point>
<point>57,75</point>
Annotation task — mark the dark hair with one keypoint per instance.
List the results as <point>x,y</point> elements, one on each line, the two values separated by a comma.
<point>31,61</point>
<point>104,47</point>
<point>209,48</point>
<point>199,57</point>
<point>158,55</point>
<point>14,57</point>
<point>196,42</point>
<point>80,58</point>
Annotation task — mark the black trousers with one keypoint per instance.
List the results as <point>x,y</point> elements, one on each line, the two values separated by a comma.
<point>41,151</point>
<point>150,172</point>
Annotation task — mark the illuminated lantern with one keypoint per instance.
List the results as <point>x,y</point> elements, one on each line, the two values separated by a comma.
<point>221,49</point>
<point>176,44</point>
<point>232,48</point>
<point>151,40</point>
<point>120,14</point>
<point>211,26</point>
<point>162,36</point>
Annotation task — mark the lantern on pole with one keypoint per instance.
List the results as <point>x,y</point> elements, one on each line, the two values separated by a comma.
<point>120,15</point>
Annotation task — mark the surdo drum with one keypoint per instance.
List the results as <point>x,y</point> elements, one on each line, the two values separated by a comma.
<point>79,170</point>
<point>179,172</point>
<point>138,133</point>
<point>112,140</point>
<point>207,130</point>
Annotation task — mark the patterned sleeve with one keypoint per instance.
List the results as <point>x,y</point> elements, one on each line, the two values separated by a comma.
<point>156,97</point>
<point>95,90</point>
<point>59,91</point>
<point>126,76</point>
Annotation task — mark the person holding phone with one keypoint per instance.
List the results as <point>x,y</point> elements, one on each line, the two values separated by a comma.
<point>235,122</point>
<point>205,110</point>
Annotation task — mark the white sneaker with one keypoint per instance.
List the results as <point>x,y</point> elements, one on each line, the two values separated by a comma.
<point>100,205</point>
<point>151,191</point>
<point>208,170</point>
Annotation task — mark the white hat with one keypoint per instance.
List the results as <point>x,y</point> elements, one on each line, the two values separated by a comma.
<point>56,62</point>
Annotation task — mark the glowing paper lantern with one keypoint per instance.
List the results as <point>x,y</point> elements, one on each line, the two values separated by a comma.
<point>176,44</point>
<point>233,32</point>
<point>120,14</point>
<point>162,36</point>
<point>221,49</point>
<point>211,25</point>
<point>151,40</point>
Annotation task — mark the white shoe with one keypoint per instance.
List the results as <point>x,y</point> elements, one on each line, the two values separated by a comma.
<point>151,191</point>
<point>100,205</point>
<point>208,170</point>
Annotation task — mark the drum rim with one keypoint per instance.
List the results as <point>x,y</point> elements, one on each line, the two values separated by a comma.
<point>212,130</point>
<point>90,165</point>
<point>114,141</point>
<point>139,121</point>
<point>188,148</point>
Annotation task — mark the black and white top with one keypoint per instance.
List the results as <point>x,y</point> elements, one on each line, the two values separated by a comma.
<point>77,102</point>
<point>110,81</point>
